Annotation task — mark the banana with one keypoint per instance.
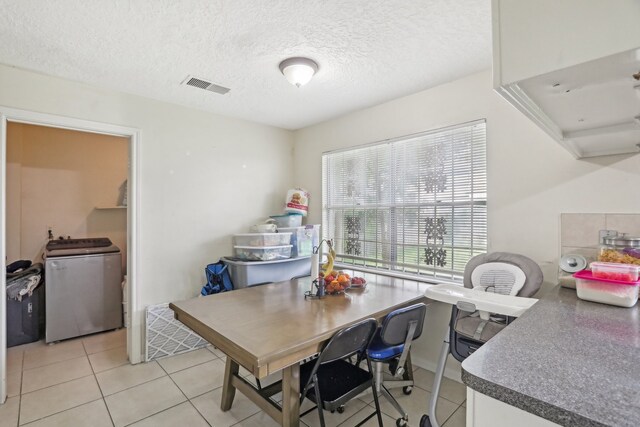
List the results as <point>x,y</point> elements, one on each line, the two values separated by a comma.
<point>328,266</point>
<point>331,257</point>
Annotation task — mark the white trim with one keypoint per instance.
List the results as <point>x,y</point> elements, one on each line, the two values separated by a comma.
<point>134,331</point>
<point>3,262</point>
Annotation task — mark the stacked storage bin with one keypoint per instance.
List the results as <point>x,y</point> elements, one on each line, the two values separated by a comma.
<point>303,239</point>
<point>262,246</point>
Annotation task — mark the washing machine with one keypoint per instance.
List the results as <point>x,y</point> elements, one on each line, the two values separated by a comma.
<point>83,291</point>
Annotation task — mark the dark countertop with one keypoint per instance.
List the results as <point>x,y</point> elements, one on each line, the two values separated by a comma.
<point>573,362</point>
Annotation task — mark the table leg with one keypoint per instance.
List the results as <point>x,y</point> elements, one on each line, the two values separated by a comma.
<point>231,368</point>
<point>291,396</point>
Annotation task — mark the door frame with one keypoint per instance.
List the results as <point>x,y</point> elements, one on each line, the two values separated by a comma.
<point>134,331</point>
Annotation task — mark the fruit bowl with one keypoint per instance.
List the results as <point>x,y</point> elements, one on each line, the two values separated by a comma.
<point>336,284</point>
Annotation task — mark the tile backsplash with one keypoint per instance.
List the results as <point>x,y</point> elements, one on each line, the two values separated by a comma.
<point>579,232</point>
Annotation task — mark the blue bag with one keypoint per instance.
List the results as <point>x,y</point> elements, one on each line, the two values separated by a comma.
<point>218,279</point>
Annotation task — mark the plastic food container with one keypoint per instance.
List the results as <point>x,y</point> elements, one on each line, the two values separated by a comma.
<point>613,271</point>
<point>265,253</point>
<point>287,220</point>
<point>622,249</point>
<point>262,239</point>
<point>606,291</point>
<point>303,239</point>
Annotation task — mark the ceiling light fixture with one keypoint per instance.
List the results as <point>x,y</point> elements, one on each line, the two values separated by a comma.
<point>298,71</point>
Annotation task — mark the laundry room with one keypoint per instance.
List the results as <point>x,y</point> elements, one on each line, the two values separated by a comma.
<point>66,240</point>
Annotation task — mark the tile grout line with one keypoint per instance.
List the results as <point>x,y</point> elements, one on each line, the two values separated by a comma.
<point>95,378</point>
<point>128,388</point>
<point>177,404</point>
<point>188,367</point>
<point>59,412</point>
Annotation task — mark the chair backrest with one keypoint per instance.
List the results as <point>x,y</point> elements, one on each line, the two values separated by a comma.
<point>396,325</point>
<point>503,272</point>
<point>348,341</point>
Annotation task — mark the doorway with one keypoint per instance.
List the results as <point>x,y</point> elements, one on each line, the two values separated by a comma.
<point>19,117</point>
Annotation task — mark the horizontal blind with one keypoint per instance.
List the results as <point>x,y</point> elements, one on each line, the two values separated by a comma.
<point>416,204</point>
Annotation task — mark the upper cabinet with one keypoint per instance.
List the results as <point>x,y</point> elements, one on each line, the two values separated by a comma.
<point>573,67</point>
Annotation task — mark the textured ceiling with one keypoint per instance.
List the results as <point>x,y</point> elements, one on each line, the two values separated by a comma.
<point>369,51</point>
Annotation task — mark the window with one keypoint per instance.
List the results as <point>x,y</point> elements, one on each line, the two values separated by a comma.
<point>415,204</point>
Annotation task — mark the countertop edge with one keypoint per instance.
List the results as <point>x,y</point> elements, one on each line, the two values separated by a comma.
<point>526,403</point>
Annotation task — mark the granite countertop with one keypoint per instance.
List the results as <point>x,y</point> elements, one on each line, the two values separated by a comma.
<point>573,362</point>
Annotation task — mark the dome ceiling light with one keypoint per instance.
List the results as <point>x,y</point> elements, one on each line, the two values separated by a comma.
<point>298,71</point>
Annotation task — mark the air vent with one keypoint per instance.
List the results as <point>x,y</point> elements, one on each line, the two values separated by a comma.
<point>203,84</point>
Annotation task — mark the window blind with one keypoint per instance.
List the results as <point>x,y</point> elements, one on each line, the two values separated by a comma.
<point>415,204</point>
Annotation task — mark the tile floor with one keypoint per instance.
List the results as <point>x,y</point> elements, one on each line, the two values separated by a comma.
<point>89,382</point>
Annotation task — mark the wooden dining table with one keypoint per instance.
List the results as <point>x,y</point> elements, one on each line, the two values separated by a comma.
<point>273,328</point>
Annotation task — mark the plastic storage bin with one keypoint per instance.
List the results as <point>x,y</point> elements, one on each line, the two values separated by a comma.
<point>265,253</point>
<point>25,319</point>
<point>614,271</point>
<point>287,220</point>
<point>303,239</point>
<point>262,239</point>
<point>606,291</point>
<point>249,273</point>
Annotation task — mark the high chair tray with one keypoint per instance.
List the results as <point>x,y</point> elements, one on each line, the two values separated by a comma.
<point>485,301</point>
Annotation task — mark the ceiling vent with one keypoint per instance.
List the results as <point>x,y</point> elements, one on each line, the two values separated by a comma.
<point>203,84</point>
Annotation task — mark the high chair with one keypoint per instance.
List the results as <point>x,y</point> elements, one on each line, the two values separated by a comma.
<point>497,289</point>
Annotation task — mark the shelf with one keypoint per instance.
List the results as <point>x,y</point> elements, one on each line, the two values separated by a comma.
<point>110,207</point>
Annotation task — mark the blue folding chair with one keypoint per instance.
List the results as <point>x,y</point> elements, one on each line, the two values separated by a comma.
<point>392,345</point>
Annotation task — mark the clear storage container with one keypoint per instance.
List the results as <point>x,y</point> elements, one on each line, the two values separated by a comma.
<point>262,239</point>
<point>622,249</point>
<point>249,273</point>
<point>613,292</point>
<point>287,220</point>
<point>303,239</point>
<point>613,271</point>
<point>265,253</point>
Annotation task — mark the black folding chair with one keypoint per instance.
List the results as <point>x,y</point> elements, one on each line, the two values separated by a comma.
<point>330,381</point>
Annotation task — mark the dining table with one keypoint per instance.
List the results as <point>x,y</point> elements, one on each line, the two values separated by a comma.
<point>273,328</point>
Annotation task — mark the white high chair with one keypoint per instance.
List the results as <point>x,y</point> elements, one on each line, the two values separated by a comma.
<point>497,289</point>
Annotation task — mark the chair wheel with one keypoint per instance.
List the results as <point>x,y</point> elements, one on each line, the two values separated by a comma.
<point>407,390</point>
<point>425,421</point>
<point>340,409</point>
<point>401,422</point>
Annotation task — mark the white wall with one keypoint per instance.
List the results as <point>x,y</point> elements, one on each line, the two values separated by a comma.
<point>60,176</point>
<point>203,177</point>
<point>531,179</point>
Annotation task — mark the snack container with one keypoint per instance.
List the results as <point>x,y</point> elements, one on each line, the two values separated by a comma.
<point>614,271</point>
<point>262,239</point>
<point>287,220</point>
<point>622,249</point>
<point>265,253</point>
<point>606,291</point>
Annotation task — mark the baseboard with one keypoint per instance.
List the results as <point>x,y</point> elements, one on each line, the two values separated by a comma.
<point>451,372</point>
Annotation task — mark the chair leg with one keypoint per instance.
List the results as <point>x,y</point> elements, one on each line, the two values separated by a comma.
<point>380,388</point>
<point>377,404</point>
<point>403,415</point>
<point>378,375</point>
<point>316,390</point>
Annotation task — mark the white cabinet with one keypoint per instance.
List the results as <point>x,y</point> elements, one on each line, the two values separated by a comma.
<point>485,411</point>
<point>569,65</point>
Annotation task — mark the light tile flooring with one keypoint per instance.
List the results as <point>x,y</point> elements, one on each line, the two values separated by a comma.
<point>89,382</point>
